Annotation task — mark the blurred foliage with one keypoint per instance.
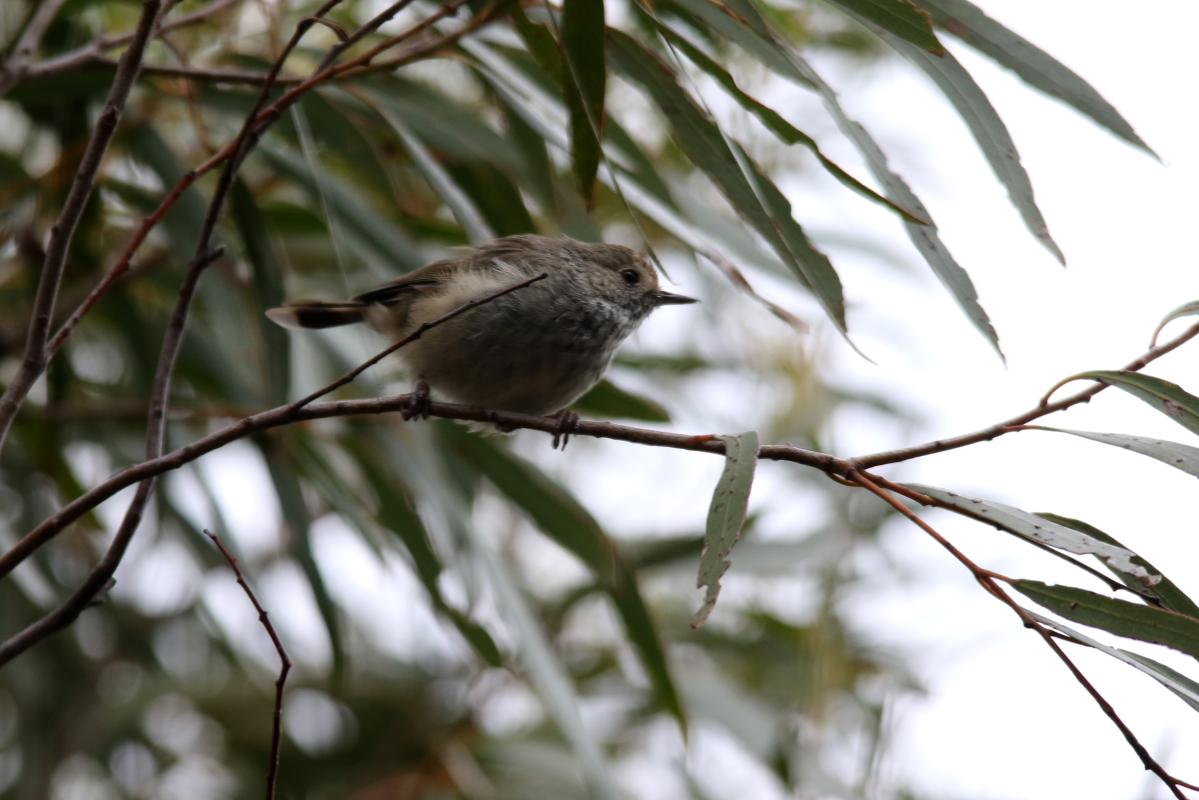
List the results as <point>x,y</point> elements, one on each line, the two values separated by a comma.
<point>377,546</point>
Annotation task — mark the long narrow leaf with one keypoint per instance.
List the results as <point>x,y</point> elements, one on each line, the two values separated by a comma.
<point>584,84</point>
<point>901,18</point>
<point>1173,680</point>
<point>740,21</point>
<point>968,22</point>
<point>1038,529</point>
<point>1180,456</point>
<point>1168,398</point>
<point>1165,591</point>
<point>988,129</point>
<point>762,205</point>
<point>726,516</point>
<point>1119,617</point>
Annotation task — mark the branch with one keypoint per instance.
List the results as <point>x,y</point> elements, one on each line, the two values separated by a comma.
<point>17,65</point>
<point>35,357</point>
<point>272,770</point>
<point>1044,408</point>
<point>267,115</point>
<point>990,582</point>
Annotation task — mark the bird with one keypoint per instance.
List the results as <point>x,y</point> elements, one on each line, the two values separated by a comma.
<point>535,350</point>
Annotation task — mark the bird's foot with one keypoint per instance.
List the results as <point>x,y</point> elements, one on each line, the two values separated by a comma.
<point>418,402</point>
<point>568,423</point>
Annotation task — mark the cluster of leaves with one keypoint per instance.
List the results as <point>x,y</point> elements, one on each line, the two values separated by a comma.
<point>511,130</point>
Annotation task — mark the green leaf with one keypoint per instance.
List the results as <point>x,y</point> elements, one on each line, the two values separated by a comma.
<point>1173,680</point>
<point>773,121</point>
<point>1179,456</point>
<point>495,194</point>
<point>1119,617</point>
<point>1038,529</point>
<point>286,481</point>
<point>988,129</point>
<point>726,516</point>
<point>902,18</point>
<point>741,23</point>
<point>561,517</point>
<point>751,193</point>
<point>456,200</point>
<point>268,287</point>
<point>584,84</point>
<point>369,228</point>
<point>1164,590</point>
<point>967,22</point>
<point>606,399</point>
<point>1168,398</point>
<point>1185,310</point>
<point>396,514</point>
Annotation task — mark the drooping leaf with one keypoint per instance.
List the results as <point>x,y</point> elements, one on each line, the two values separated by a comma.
<point>1179,456</point>
<point>1168,398</point>
<point>739,21</point>
<point>376,234</point>
<point>561,517</point>
<point>1165,591</point>
<point>275,353</point>
<point>726,516</point>
<point>1173,680</point>
<point>752,194</point>
<point>1119,617</point>
<point>299,522</point>
<point>584,84</point>
<point>458,202</point>
<point>1185,310</point>
<point>606,399</point>
<point>1039,529</point>
<point>988,129</point>
<point>968,22</point>
<point>774,121</point>
<point>901,18</point>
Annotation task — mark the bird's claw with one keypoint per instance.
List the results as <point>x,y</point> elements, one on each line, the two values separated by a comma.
<point>418,403</point>
<point>568,423</point>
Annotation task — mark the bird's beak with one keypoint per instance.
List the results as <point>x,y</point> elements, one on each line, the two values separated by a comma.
<point>671,299</point>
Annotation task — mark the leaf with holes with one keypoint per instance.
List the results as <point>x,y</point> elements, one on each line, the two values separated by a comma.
<point>1168,398</point>
<point>1119,617</point>
<point>726,516</point>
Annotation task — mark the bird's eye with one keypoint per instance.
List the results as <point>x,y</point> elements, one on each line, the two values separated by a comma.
<point>630,276</point>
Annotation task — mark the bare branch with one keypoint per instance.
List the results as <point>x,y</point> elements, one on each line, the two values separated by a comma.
<point>61,234</point>
<point>14,69</point>
<point>272,770</point>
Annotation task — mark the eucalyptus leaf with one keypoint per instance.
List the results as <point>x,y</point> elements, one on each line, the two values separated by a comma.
<point>726,516</point>
<point>1168,398</point>
<point>1119,617</point>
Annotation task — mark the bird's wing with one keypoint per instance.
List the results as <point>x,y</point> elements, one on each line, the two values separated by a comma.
<point>402,288</point>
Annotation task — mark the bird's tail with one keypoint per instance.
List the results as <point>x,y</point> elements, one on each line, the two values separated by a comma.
<point>317,314</point>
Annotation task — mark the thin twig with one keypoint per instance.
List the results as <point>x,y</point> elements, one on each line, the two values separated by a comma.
<point>13,70</point>
<point>272,771</point>
<point>35,357</point>
<point>989,581</point>
<point>1010,426</point>
<point>284,415</point>
<point>268,114</point>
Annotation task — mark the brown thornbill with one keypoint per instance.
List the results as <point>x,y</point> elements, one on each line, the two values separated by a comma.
<point>533,351</point>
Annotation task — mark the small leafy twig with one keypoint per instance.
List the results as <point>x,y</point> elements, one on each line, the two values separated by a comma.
<point>990,582</point>
<point>1044,408</point>
<point>272,771</point>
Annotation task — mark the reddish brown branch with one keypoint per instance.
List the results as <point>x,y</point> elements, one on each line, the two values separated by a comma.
<point>36,354</point>
<point>272,770</point>
<point>1044,408</point>
<point>990,582</point>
